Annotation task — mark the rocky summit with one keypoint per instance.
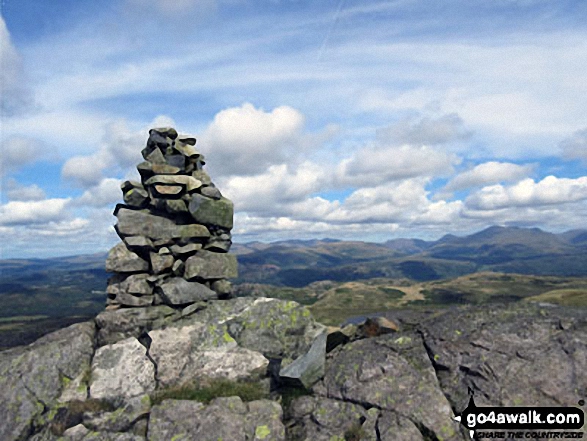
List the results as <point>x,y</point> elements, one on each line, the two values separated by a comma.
<point>174,358</point>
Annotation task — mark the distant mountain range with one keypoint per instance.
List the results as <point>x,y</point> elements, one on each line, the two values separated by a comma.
<point>39,295</point>
<point>500,249</point>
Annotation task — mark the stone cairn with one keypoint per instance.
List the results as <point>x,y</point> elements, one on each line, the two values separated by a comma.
<point>175,230</point>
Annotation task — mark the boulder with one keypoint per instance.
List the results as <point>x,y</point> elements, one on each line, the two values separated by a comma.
<point>178,291</point>
<point>122,260</point>
<point>392,373</point>
<point>209,265</point>
<point>32,377</point>
<point>136,284</point>
<point>188,182</point>
<point>140,244</point>
<point>209,211</point>
<point>202,351</point>
<point>122,370</point>
<point>307,369</point>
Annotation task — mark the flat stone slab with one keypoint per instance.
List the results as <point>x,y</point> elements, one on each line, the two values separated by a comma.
<point>122,370</point>
<point>122,260</point>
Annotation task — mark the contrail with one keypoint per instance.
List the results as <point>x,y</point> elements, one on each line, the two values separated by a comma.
<point>332,25</point>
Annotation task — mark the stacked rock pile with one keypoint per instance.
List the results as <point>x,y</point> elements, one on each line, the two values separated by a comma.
<point>175,230</point>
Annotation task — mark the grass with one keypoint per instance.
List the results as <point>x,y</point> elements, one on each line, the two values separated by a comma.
<point>204,393</point>
<point>567,297</point>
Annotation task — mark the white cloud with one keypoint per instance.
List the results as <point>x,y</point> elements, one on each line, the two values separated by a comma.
<point>246,140</point>
<point>120,149</point>
<point>33,212</point>
<point>106,193</point>
<point>17,192</point>
<point>271,191</point>
<point>491,172</point>
<point>18,152</point>
<point>549,191</point>
<point>15,96</point>
<point>425,131</point>
<point>575,147</point>
<point>377,164</point>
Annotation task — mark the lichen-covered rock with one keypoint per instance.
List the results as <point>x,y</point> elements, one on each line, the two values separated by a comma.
<point>202,351</point>
<point>34,376</point>
<point>210,266</point>
<point>276,328</point>
<point>210,211</point>
<point>228,419</point>
<point>518,355</point>
<point>394,373</point>
<point>122,260</point>
<point>122,370</point>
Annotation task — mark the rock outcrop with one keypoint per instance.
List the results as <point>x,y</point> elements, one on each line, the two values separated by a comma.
<point>405,385</point>
<point>175,230</point>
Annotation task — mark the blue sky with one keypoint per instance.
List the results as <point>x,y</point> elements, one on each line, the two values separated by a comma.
<point>360,120</point>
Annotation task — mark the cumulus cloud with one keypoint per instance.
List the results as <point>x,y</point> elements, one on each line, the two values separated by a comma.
<point>549,191</point>
<point>275,188</point>
<point>377,164</point>
<point>106,193</point>
<point>245,140</point>
<point>33,212</point>
<point>17,192</point>
<point>18,152</point>
<point>488,173</point>
<point>425,131</point>
<point>575,146</point>
<point>120,149</point>
<point>15,96</point>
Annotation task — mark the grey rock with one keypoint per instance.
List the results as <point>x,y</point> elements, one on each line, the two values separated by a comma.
<point>186,148</point>
<point>211,192</point>
<point>156,157</point>
<point>136,284</point>
<point>178,268</point>
<point>176,161</point>
<point>178,291</point>
<point>202,176</point>
<point>34,376</point>
<point>222,419</point>
<point>394,427</point>
<point>506,355</point>
<point>307,369</point>
<point>156,228</point>
<point>122,260</point>
<point>161,263</point>
<point>120,420</point>
<point>382,372</point>
<point>223,288</point>
<point>208,265</point>
<point>122,370</point>
<point>183,252</point>
<point>323,419</point>
<point>218,245</point>
<point>209,211</point>
<point>128,299</point>
<point>276,328</point>
<point>120,324</point>
<point>145,169</point>
<point>138,243</point>
<point>202,351</point>
<point>165,169</point>
<point>175,206</point>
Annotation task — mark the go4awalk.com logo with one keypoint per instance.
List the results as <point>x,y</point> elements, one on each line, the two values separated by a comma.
<point>522,422</point>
